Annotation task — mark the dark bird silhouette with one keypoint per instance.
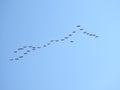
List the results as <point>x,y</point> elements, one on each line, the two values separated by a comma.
<point>81,29</point>
<point>30,46</point>
<point>74,32</point>
<point>66,37</point>
<point>11,59</point>
<point>16,58</point>
<point>78,26</point>
<point>33,49</point>
<point>96,36</point>
<point>20,49</point>
<point>25,53</point>
<point>38,47</point>
<point>48,43</point>
<point>90,34</point>
<point>15,51</point>
<point>56,40</point>
<point>28,51</point>
<point>20,56</point>
<point>71,41</point>
<point>44,45</point>
<point>70,35</point>
<point>24,46</point>
<point>84,32</point>
<point>87,33</point>
<point>62,39</point>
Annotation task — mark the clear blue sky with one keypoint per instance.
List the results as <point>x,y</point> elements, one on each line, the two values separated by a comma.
<point>87,64</point>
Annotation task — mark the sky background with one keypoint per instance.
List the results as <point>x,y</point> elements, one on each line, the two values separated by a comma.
<point>87,64</point>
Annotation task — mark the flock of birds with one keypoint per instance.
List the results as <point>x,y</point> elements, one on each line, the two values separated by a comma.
<point>28,49</point>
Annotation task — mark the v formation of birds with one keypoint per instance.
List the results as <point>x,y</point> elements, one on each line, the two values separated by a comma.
<point>28,49</point>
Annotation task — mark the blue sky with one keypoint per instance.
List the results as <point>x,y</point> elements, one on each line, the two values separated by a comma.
<point>87,64</point>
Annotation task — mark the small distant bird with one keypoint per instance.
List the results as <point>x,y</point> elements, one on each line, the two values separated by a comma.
<point>33,49</point>
<point>11,59</point>
<point>51,40</point>
<point>84,32</point>
<point>96,36</point>
<point>38,47</point>
<point>81,29</point>
<point>70,35</point>
<point>87,33</point>
<point>20,49</point>
<point>20,56</point>
<point>93,35</point>
<point>44,45</point>
<point>28,51</point>
<point>62,39</point>
<point>24,46</point>
<point>48,43</point>
<point>90,34</point>
<point>16,58</point>
<point>15,51</point>
<point>71,41</point>
<point>66,37</point>
<point>25,53</point>
<point>78,26</point>
<point>56,40</point>
<point>74,32</point>
<point>30,46</point>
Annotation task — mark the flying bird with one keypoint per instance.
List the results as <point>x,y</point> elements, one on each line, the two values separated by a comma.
<point>44,45</point>
<point>62,39</point>
<point>81,29</point>
<point>25,53</point>
<point>70,35</point>
<point>78,26</point>
<point>16,58</point>
<point>15,51</point>
<point>71,41</point>
<point>66,37</point>
<point>20,56</point>
<point>20,49</point>
<point>74,32</point>
<point>56,40</point>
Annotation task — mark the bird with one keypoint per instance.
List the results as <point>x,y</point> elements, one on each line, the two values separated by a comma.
<point>44,45</point>
<point>24,46</point>
<point>38,47</point>
<point>78,26</point>
<point>96,36</point>
<point>30,46</point>
<point>90,34</point>
<point>33,49</point>
<point>84,32</point>
<point>48,43</point>
<point>71,41</point>
<point>81,29</point>
<point>51,40</point>
<point>62,39</point>
<point>25,53</point>
<point>56,40</point>
<point>70,35</point>
<point>28,51</point>
<point>11,59</point>
<point>66,37</point>
<point>20,49</point>
<point>74,32</point>
<point>87,33</point>
<point>20,56</point>
<point>16,58</point>
<point>15,51</point>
